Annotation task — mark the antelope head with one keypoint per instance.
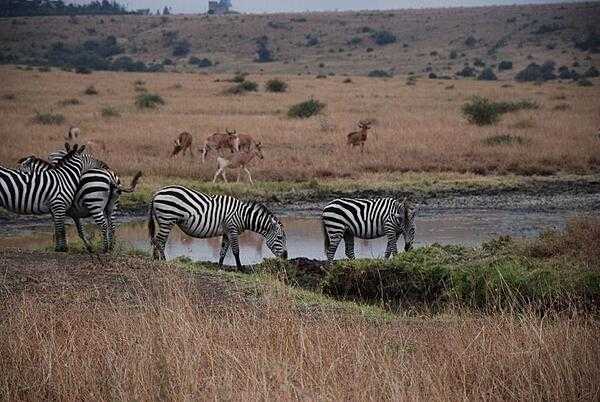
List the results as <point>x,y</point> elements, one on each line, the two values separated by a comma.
<point>232,132</point>
<point>364,125</point>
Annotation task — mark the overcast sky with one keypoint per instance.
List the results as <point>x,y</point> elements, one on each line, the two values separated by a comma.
<point>262,6</point>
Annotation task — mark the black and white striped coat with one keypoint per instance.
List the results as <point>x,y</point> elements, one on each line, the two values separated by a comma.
<point>51,191</point>
<point>347,218</point>
<point>204,216</point>
<point>97,195</point>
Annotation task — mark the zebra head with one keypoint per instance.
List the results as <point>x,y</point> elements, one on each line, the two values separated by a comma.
<point>408,221</point>
<point>32,164</point>
<point>89,162</point>
<point>276,240</point>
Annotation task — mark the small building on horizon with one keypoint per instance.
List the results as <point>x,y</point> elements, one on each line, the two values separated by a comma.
<point>219,7</point>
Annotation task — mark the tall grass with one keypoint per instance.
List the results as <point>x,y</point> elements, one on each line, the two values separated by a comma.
<point>175,340</point>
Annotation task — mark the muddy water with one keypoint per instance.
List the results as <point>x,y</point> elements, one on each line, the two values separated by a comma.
<point>466,227</point>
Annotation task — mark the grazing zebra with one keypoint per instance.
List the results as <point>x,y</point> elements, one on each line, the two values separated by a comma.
<point>51,191</point>
<point>97,195</point>
<point>203,216</point>
<point>347,218</point>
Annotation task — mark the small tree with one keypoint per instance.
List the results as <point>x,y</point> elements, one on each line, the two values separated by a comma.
<point>505,65</point>
<point>383,38</point>
<point>487,75</point>
<point>306,109</point>
<point>276,85</point>
<point>481,111</point>
<point>181,48</point>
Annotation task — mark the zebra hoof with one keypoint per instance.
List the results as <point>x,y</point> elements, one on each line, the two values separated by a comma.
<point>60,249</point>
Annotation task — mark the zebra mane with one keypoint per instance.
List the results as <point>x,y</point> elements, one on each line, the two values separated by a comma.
<point>257,206</point>
<point>33,158</point>
<point>59,155</point>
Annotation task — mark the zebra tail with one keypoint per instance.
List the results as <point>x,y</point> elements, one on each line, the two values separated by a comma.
<point>151,224</point>
<point>326,241</point>
<point>134,183</point>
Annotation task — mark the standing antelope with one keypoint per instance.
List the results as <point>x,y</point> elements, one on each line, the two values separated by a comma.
<point>219,141</point>
<point>245,142</point>
<point>183,143</point>
<point>359,137</point>
<point>73,133</point>
<point>238,160</point>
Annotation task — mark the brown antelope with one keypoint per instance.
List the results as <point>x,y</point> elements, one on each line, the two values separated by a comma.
<point>219,141</point>
<point>359,137</point>
<point>73,133</point>
<point>239,160</point>
<point>183,143</point>
<point>244,142</point>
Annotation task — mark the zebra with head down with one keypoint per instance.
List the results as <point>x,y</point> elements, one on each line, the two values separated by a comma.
<point>347,218</point>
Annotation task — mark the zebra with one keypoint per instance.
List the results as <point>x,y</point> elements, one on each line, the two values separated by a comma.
<point>203,216</point>
<point>97,195</point>
<point>347,218</point>
<point>51,191</point>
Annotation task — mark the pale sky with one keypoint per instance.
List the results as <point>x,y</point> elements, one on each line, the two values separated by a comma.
<point>270,6</point>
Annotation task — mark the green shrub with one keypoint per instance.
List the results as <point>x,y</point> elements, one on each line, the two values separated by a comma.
<point>506,107</point>
<point>44,69</point>
<point>109,111</point>
<point>467,71</point>
<point>91,90</point>
<point>471,41</point>
<point>149,101</point>
<point>505,65</point>
<point>82,70</point>
<point>592,72</point>
<point>481,111</point>
<point>487,75</point>
<point>276,85</point>
<point>200,63</point>
<point>239,77</point>
<point>379,74</point>
<point>249,86</point>
<point>584,82</point>
<point>181,48</point>
<point>453,54</point>
<point>504,139</point>
<point>535,72</point>
<point>383,38</point>
<point>48,118</point>
<point>306,109</point>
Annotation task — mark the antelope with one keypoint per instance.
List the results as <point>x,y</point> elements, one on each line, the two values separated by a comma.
<point>245,142</point>
<point>183,143</point>
<point>238,160</point>
<point>219,141</point>
<point>73,133</point>
<point>92,144</point>
<point>359,137</point>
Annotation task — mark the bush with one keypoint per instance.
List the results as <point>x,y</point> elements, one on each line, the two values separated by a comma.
<point>467,72</point>
<point>82,70</point>
<point>383,38</point>
<point>91,90</point>
<point>249,86</point>
<point>505,139</point>
<point>242,87</point>
<point>379,74</point>
<point>478,63</point>
<point>547,28</point>
<point>505,65</point>
<point>44,69</point>
<point>471,41</point>
<point>200,63</point>
<point>592,72</point>
<point>591,42</point>
<point>453,54</point>
<point>487,75</point>
<point>347,81</point>
<point>356,40</point>
<point>109,111</point>
<point>306,109</point>
<point>565,74</point>
<point>432,76</point>
<point>149,101</point>
<point>481,111</point>
<point>506,107</point>
<point>312,40</point>
<point>264,55</point>
<point>535,72</point>
<point>239,77</point>
<point>181,48</point>
<point>48,118</point>
<point>126,63</point>
<point>276,85</point>
<point>69,102</point>
<point>584,82</point>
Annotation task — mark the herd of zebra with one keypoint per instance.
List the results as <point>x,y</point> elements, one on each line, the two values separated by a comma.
<point>76,184</point>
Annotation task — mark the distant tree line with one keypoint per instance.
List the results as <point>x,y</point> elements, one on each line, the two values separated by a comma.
<point>21,8</point>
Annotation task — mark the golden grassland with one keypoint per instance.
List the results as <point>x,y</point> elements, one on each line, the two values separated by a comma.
<point>425,37</point>
<point>417,128</point>
<point>146,331</point>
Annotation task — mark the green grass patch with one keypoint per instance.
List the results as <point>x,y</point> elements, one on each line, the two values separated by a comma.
<point>504,139</point>
<point>306,109</point>
<point>48,118</point>
<point>149,101</point>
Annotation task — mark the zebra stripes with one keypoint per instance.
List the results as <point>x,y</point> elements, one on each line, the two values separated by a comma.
<point>97,195</point>
<point>203,216</point>
<point>347,218</point>
<point>51,191</point>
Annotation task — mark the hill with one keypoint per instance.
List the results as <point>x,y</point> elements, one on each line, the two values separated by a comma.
<point>441,41</point>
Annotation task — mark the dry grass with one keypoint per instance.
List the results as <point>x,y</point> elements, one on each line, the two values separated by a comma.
<point>169,341</point>
<point>417,128</point>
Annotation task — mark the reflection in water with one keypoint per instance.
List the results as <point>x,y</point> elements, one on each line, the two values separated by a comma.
<point>304,238</point>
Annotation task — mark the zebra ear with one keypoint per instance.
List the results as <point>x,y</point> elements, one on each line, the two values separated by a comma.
<point>67,146</point>
<point>81,149</point>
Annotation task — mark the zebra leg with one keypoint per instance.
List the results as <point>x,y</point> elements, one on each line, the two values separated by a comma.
<point>224,248</point>
<point>102,222</point>
<point>349,243</point>
<point>111,232</point>
<point>160,239</point>
<point>233,236</point>
<point>81,233</point>
<point>60,237</point>
<point>334,242</point>
<point>392,244</point>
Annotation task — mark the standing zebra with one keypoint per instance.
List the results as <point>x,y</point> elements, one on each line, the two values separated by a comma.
<point>97,195</point>
<point>347,218</point>
<point>203,216</point>
<point>51,191</point>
